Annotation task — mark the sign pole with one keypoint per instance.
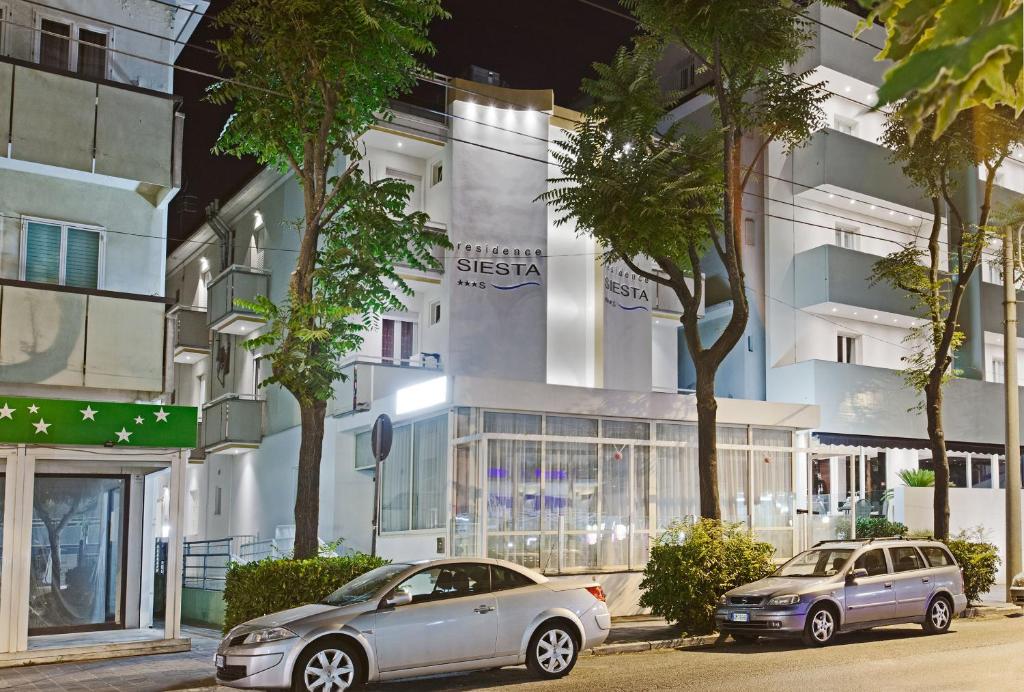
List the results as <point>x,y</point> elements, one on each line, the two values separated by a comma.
<point>380,444</point>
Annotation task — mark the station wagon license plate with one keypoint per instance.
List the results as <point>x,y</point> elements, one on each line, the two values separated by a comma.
<point>218,660</point>
<point>740,617</point>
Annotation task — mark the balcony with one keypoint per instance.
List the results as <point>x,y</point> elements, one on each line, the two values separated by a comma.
<point>122,135</point>
<point>832,47</point>
<point>237,282</point>
<point>832,159</point>
<point>232,424</point>
<point>191,334</point>
<point>865,400</point>
<point>992,309</point>
<point>832,274</point>
<point>369,379</point>
<point>62,336</point>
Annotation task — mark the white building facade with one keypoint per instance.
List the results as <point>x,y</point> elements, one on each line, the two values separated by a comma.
<point>535,391</point>
<point>92,455</point>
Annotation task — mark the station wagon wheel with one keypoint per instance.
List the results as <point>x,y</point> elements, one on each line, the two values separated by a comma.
<point>330,667</point>
<point>553,651</point>
<point>938,617</point>
<point>821,626</point>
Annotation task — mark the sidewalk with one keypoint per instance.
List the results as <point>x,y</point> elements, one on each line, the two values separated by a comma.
<point>194,669</point>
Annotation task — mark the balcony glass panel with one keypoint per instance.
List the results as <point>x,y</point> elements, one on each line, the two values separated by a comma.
<point>232,424</point>
<point>235,283</point>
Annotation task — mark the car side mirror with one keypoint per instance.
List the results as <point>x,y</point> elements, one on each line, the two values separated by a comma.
<point>855,574</point>
<point>398,598</point>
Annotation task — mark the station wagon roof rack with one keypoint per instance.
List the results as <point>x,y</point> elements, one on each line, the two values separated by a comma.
<point>862,540</point>
<point>888,538</point>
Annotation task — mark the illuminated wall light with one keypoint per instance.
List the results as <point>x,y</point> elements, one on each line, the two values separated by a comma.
<point>257,218</point>
<point>846,89</point>
<point>421,395</point>
<point>204,264</point>
<point>876,317</point>
<point>853,201</point>
<point>398,144</point>
<point>872,207</point>
<point>831,196</point>
<point>834,309</point>
<point>910,217</point>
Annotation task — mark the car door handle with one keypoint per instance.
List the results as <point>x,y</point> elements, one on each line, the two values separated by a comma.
<point>484,609</point>
<point>925,580</point>
<point>887,584</point>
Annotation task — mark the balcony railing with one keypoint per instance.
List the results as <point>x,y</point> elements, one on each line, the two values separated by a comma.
<point>102,128</point>
<point>191,334</point>
<point>237,282</point>
<point>232,424</point>
<point>63,336</point>
<point>369,378</point>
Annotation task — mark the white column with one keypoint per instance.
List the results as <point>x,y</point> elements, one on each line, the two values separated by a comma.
<point>175,541</point>
<point>21,548</point>
<point>11,526</point>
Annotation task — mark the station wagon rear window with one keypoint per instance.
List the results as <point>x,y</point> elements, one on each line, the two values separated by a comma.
<point>937,557</point>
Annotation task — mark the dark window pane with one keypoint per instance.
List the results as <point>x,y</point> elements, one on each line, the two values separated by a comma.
<point>42,253</point>
<point>406,352</point>
<point>873,561</point>
<point>92,54</point>
<point>906,559</point>
<point>503,578</point>
<point>55,44</point>
<point>937,557</point>
<point>81,266</point>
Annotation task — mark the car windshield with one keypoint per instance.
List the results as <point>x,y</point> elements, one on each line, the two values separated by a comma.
<point>364,587</point>
<point>823,562</point>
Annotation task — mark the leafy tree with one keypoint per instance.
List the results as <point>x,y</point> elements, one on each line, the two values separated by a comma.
<point>312,77</point>
<point>675,197</point>
<point>951,55</point>
<point>981,137</point>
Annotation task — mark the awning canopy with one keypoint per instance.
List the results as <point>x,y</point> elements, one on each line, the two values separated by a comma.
<point>844,440</point>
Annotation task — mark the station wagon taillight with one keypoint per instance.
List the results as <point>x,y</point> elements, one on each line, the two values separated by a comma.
<point>596,591</point>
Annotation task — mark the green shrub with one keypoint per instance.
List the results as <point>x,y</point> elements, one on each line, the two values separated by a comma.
<point>879,527</point>
<point>979,560</point>
<point>918,478</point>
<point>267,586</point>
<point>693,564</point>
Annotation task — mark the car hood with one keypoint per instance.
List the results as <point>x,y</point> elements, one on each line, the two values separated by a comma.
<point>301,618</point>
<point>772,586</point>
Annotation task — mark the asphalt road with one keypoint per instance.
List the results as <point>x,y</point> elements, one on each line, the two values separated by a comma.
<point>975,655</point>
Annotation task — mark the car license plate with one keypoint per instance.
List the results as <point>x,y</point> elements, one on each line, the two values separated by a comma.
<point>740,617</point>
<point>218,660</point>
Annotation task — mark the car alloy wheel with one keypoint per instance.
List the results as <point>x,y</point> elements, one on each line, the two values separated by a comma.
<point>821,627</point>
<point>939,616</point>
<point>552,652</point>
<point>329,670</point>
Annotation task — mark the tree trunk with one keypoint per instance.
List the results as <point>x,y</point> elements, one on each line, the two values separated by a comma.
<point>707,438</point>
<point>307,492</point>
<point>940,461</point>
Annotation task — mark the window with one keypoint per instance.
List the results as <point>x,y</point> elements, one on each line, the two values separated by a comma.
<point>415,201</point>
<point>847,235</point>
<point>848,126</point>
<point>873,561</point>
<point>846,349</point>
<point>937,557</point>
<point>257,248</point>
<point>3,18</point>
<point>503,578</point>
<point>216,501</point>
<point>200,395</point>
<point>998,373</point>
<point>64,46</point>
<point>435,312</point>
<point>92,54</point>
<point>60,253</point>
<point>447,581</point>
<point>906,559</point>
<point>414,476</point>
<point>55,44</point>
<point>749,232</point>
<point>397,341</point>
<point>436,173</point>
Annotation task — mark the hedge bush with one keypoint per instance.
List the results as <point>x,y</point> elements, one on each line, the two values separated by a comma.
<point>257,588</point>
<point>879,527</point>
<point>979,560</point>
<point>693,564</point>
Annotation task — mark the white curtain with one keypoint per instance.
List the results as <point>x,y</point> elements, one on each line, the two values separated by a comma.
<point>732,474</point>
<point>396,473</point>
<point>676,481</point>
<point>429,473</point>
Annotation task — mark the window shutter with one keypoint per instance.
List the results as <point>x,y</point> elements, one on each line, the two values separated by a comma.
<point>42,253</point>
<point>92,54</point>
<point>55,44</point>
<point>83,254</point>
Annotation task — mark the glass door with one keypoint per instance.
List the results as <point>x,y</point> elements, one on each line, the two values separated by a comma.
<point>78,553</point>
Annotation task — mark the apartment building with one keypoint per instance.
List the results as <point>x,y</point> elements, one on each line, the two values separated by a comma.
<point>92,454</point>
<point>535,391</point>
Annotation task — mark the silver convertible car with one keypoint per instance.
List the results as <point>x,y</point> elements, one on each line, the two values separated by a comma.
<point>840,586</point>
<point>415,619</point>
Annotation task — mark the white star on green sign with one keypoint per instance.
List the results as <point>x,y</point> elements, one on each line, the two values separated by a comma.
<point>42,427</point>
<point>88,413</point>
<point>123,435</point>
<point>6,411</point>
<point>161,415</point>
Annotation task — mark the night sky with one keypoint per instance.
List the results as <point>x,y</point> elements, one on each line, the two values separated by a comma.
<point>533,44</point>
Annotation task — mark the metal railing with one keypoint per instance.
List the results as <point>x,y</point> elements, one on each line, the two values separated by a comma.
<point>205,564</point>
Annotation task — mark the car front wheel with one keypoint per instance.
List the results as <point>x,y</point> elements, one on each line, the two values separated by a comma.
<point>331,666</point>
<point>938,617</point>
<point>821,626</point>
<point>553,651</point>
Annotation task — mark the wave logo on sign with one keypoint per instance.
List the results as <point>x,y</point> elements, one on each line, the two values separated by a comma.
<point>484,263</point>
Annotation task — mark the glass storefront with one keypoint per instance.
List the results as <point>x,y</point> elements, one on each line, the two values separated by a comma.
<point>77,574</point>
<point>574,494</point>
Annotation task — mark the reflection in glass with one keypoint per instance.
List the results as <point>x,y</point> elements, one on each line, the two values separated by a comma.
<point>76,576</point>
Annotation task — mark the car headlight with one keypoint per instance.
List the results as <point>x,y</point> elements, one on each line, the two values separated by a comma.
<point>790,599</point>
<point>271,634</point>
<point>723,600</point>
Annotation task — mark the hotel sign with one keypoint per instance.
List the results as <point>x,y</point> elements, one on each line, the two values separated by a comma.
<point>486,266</point>
<point>32,420</point>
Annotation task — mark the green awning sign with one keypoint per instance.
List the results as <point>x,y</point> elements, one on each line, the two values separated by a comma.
<point>27,420</point>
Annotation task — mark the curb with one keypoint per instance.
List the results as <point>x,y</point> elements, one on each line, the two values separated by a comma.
<point>986,612</point>
<point>632,647</point>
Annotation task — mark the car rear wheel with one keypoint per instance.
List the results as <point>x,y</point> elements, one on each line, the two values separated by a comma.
<point>939,616</point>
<point>553,651</point>
<point>332,666</point>
<point>821,626</point>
